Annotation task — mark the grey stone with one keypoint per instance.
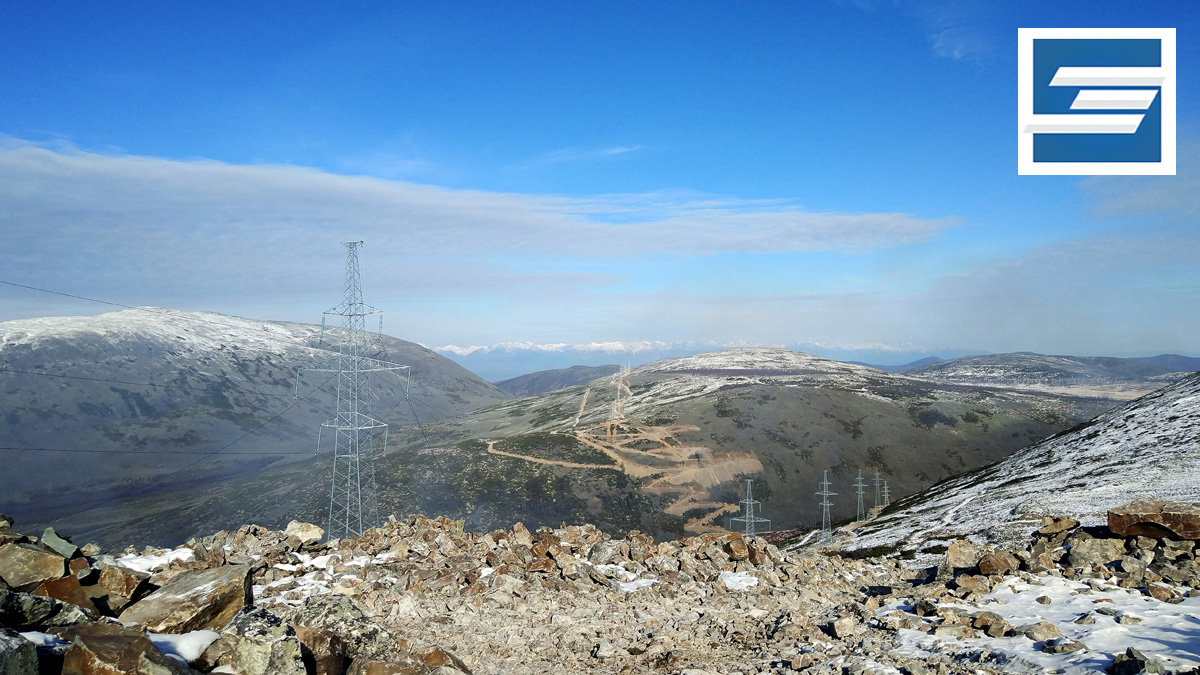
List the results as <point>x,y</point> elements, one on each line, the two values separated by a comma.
<point>1040,632</point>
<point>1095,551</point>
<point>18,656</point>
<point>1133,662</point>
<point>50,540</point>
<point>365,640</point>
<point>262,644</point>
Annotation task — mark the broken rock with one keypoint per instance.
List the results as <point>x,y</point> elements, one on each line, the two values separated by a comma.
<point>24,567</point>
<point>1156,518</point>
<point>193,600</point>
<point>102,649</point>
<point>262,644</point>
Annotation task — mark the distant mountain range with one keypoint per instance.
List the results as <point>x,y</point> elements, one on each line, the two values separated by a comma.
<point>690,431</point>
<point>94,406</point>
<point>551,380</point>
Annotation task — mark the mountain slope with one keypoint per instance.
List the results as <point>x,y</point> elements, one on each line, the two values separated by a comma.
<point>1149,447</point>
<point>550,380</point>
<point>145,392</point>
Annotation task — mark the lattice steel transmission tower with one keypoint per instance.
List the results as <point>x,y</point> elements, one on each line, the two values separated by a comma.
<point>748,517</point>
<point>825,494</point>
<point>877,502</point>
<point>887,497</point>
<point>860,488</point>
<point>353,505</point>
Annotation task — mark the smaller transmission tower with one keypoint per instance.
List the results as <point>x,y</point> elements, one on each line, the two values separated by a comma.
<point>825,494</point>
<point>748,516</point>
<point>860,489</point>
<point>877,502</point>
<point>887,499</point>
<point>620,381</point>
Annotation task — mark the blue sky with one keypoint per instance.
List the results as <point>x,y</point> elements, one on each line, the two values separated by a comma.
<point>832,173</point>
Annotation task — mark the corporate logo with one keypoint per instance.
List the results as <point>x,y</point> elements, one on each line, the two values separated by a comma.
<point>1096,101</point>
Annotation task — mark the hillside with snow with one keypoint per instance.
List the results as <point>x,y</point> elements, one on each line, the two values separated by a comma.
<point>94,407</point>
<point>1147,448</point>
<point>1125,378</point>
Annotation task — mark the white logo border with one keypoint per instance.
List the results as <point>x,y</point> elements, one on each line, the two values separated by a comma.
<point>1025,164</point>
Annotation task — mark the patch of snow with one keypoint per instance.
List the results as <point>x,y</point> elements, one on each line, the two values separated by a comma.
<point>44,639</point>
<point>153,562</point>
<point>631,586</point>
<point>187,647</point>
<point>738,581</point>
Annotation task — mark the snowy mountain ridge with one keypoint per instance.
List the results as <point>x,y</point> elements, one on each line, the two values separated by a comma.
<point>1147,448</point>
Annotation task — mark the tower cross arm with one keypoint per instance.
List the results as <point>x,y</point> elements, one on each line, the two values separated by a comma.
<point>365,364</point>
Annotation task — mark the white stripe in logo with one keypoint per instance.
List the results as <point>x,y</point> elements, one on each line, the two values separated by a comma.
<point>1101,99</point>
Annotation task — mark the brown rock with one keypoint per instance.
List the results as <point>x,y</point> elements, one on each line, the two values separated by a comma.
<point>995,563</point>
<point>1156,518</point>
<point>1161,592</point>
<point>120,581</point>
<point>102,649</point>
<point>436,657</point>
<point>736,547</point>
<point>25,567</point>
<point>1055,525</point>
<point>962,554</point>
<point>974,583</point>
<point>66,589</point>
<point>324,652</point>
<point>194,600</point>
<point>993,624</point>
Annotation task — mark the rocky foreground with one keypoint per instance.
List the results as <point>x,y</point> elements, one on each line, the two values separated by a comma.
<point>422,596</point>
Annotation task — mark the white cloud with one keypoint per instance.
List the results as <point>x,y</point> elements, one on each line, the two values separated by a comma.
<point>129,226</point>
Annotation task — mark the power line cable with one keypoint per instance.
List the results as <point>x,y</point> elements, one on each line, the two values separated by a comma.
<point>98,451</point>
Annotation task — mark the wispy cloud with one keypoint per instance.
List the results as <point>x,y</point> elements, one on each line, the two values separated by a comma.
<point>565,155</point>
<point>152,218</point>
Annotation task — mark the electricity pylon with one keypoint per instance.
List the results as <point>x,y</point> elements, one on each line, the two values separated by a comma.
<point>887,498</point>
<point>825,494</point>
<point>353,505</point>
<point>877,502</point>
<point>859,488</point>
<point>748,516</point>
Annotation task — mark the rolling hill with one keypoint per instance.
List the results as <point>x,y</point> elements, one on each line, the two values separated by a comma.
<point>549,380</point>
<point>110,401</point>
<point>668,456</point>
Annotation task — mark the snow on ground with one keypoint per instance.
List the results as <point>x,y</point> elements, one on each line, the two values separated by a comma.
<point>1168,632</point>
<point>203,330</point>
<point>186,647</point>
<point>155,561</point>
<point>738,581</point>
<point>1147,448</point>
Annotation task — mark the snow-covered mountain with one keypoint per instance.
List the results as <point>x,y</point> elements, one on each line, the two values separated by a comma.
<point>1147,448</point>
<point>110,400</point>
<point>1025,368</point>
